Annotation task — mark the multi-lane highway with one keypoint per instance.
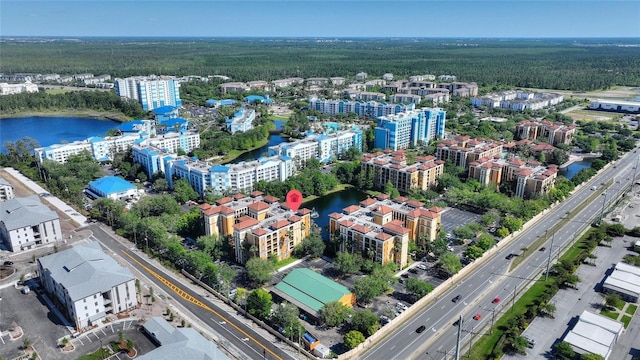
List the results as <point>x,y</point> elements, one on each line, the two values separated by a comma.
<point>493,279</point>
<point>244,338</point>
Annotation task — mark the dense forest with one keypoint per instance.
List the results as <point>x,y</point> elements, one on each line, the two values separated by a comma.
<point>95,100</point>
<point>552,63</point>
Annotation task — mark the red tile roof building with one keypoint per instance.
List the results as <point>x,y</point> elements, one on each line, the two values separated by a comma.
<point>257,225</point>
<point>529,179</point>
<point>394,166</point>
<point>553,133</point>
<point>462,150</point>
<point>383,228</point>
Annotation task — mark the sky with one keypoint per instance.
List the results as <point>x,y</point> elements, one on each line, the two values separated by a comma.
<point>322,18</point>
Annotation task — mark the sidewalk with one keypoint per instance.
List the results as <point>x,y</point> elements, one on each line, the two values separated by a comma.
<point>189,317</point>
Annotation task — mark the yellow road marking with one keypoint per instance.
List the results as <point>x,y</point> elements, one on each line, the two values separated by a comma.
<point>195,301</point>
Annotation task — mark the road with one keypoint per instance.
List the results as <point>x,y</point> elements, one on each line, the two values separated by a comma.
<point>493,279</point>
<point>240,335</point>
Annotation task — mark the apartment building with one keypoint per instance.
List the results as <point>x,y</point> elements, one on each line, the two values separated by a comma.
<point>381,228</point>
<point>258,225</point>
<point>281,83</point>
<point>337,81</point>
<point>394,167</point>
<point>406,129</point>
<point>259,85</point>
<point>242,120</point>
<point>152,92</point>
<point>370,108</point>
<point>462,150</point>
<point>461,89</point>
<point>555,133</point>
<point>8,89</point>
<point>234,87</point>
<point>317,81</point>
<point>405,98</point>
<point>518,100</point>
<point>361,76</point>
<point>6,190</point>
<point>86,284</point>
<point>528,178</point>
<point>26,223</point>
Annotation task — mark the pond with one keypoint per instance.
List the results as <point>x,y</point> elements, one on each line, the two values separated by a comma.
<point>331,203</point>
<point>575,167</point>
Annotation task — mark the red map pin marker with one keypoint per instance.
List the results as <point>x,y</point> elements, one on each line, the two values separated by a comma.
<point>294,199</point>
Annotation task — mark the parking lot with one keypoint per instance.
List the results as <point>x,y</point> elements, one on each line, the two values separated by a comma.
<point>453,218</point>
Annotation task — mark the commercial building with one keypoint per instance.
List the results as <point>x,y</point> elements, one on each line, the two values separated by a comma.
<point>310,291</point>
<point>26,223</point>
<point>86,284</point>
<point>178,343</point>
<point>594,334</point>
<point>632,107</point>
<point>257,225</point>
<point>409,128</point>
<point>112,187</point>
<point>394,167</point>
<point>382,228</point>
<point>234,87</point>
<point>554,133</point>
<point>624,280</point>
<point>151,92</point>
<point>242,120</point>
<point>528,178</point>
<point>462,150</point>
<point>6,190</point>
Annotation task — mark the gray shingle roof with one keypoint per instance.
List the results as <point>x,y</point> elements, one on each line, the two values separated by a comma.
<point>22,212</point>
<point>85,270</point>
<point>183,343</point>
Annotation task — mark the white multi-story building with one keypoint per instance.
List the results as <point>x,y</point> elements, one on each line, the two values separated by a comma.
<point>287,82</point>
<point>6,190</point>
<point>87,284</point>
<point>151,92</point>
<point>26,223</point>
<point>518,100</point>
<point>8,89</point>
<point>322,147</point>
<point>242,120</point>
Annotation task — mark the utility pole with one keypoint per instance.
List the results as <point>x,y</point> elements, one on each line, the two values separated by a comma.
<point>635,171</point>
<point>513,301</point>
<point>493,318</point>
<point>604,203</point>
<point>546,275</point>
<point>458,338</point>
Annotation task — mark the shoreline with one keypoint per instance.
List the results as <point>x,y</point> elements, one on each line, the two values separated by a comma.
<point>121,118</point>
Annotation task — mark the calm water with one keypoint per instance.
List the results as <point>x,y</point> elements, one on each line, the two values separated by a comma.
<point>52,130</point>
<point>573,169</point>
<point>274,139</point>
<point>331,203</point>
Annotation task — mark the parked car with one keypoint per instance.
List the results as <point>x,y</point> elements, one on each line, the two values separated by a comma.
<point>413,270</point>
<point>421,267</point>
<point>7,263</point>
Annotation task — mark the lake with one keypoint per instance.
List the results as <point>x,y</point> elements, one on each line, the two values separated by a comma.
<point>331,203</point>
<point>53,130</point>
<point>274,139</point>
<point>573,169</point>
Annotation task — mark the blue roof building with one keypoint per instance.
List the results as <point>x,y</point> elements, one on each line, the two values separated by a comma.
<point>216,103</point>
<point>173,124</point>
<point>255,98</point>
<point>112,187</point>
<point>165,113</point>
<point>242,121</point>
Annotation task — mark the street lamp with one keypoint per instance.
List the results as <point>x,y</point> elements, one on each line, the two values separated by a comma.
<point>604,203</point>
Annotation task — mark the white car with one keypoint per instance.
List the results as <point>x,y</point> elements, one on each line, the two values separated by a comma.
<point>421,267</point>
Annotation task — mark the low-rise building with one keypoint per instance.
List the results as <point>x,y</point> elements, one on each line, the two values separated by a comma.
<point>26,223</point>
<point>86,284</point>
<point>594,334</point>
<point>8,89</point>
<point>234,87</point>
<point>382,228</point>
<point>393,166</point>
<point>178,343</point>
<point>624,280</point>
<point>281,83</point>
<point>258,225</point>
<point>518,100</point>
<point>112,187</point>
<point>632,107</point>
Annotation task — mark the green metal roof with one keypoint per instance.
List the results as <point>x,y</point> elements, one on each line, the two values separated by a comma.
<point>311,288</point>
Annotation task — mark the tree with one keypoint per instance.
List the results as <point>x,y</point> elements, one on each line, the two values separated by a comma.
<point>346,263</point>
<point>473,252</point>
<point>366,322</point>
<point>418,287</point>
<point>591,357</point>
<point>511,223</point>
<point>259,270</point>
<point>335,313</point>
<point>450,263</point>
<point>564,351</point>
<point>439,246</point>
<point>353,338</point>
<point>183,192</point>
<point>259,303</point>
<point>367,288</point>
<point>313,245</point>
<point>613,300</point>
<point>519,344</point>
<point>390,190</point>
<point>160,185</point>
<point>286,315</point>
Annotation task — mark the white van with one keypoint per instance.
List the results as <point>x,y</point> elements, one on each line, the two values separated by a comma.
<point>593,188</point>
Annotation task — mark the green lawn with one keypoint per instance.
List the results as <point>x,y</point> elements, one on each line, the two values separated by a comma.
<point>98,355</point>
<point>285,262</point>
<point>276,117</point>
<point>626,320</point>
<point>609,314</point>
<point>631,309</point>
